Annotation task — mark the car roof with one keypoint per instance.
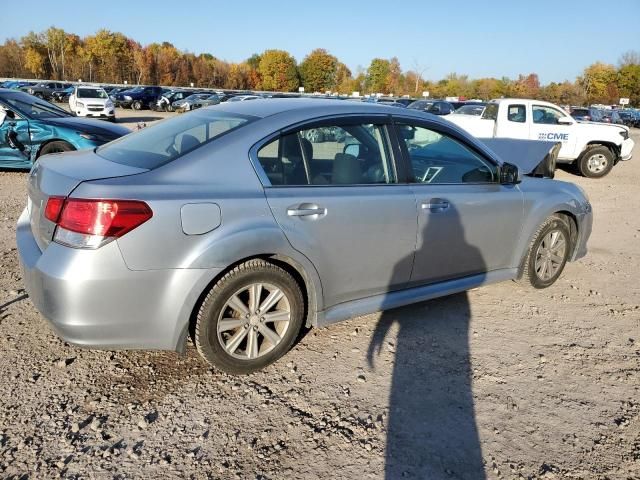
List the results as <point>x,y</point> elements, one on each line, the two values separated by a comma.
<point>318,107</point>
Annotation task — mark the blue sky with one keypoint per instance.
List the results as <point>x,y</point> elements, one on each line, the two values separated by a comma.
<point>555,39</point>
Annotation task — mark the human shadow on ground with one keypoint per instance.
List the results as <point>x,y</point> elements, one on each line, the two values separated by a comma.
<point>431,427</point>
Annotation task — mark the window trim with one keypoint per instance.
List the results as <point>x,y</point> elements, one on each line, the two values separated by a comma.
<point>442,130</point>
<point>335,120</point>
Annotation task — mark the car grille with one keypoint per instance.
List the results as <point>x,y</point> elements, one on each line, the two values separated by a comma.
<point>95,108</point>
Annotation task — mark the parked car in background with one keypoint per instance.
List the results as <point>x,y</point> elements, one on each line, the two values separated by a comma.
<point>611,116</point>
<point>593,147</point>
<point>435,107</point>
<point>243,98</point>
<point>32,127</point>
<point>628,117</point>
<point>211,99</point>
<point>16,85</point>
<point>586,114</point>
<point>138,98</point>
<point>187,103</point>
<point>126,246</point>
<point>88,101</point>
<point>114,91</point>
<point>470,109</point>
<point>165,102</point>
<point>62,95</point>
<point>45,90</point>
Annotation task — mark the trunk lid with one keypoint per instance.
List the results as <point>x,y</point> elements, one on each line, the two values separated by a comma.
<point>59,175</point>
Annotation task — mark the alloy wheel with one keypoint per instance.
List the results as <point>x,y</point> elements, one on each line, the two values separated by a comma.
<point>550,255</point>
<point>253,321</point>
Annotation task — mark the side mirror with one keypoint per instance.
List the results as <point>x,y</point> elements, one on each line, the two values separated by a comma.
<point>565,121</point>
<point>352,149</point>
<point>509,174</point>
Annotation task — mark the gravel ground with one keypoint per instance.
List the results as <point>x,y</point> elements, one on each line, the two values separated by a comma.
<point>502,382</point>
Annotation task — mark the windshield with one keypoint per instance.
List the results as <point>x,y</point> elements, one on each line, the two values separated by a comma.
<point>162,143</point>
<point>92,93</point>
<point>33,108</point>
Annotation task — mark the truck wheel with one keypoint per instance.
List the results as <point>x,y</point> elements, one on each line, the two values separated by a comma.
<point>596,162</point>
<point>55,147</point>
<point>548,252</point>
<point>249,318</point>
<point>137,105</point>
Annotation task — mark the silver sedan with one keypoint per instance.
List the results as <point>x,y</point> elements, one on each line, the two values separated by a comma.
<point>230,226</point>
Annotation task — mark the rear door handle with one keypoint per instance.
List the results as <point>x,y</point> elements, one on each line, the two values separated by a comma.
<point>436,204</point>
<point>306,210</point>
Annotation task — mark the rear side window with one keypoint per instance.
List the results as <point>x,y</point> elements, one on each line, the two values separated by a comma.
<point>517,113</point>
<point>329,155</point>
<point>160,144</point>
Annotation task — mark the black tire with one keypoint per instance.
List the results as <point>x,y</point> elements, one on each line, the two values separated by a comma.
<point>209,341</point>
<point>56,147</point>
<point>532,271</point>
<point>137,105</point>
<point>169,108</point>
<point>596,162</point>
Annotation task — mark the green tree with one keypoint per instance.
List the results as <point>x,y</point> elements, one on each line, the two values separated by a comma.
<point>629,82</point>
<point>278,71</point>
<point>318,71</point>
<point>378,75</point>
<point>596,80</point>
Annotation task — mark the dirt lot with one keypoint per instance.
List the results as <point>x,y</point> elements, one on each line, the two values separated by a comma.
<point>502,382</point>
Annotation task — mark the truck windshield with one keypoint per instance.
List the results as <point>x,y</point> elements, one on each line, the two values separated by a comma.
<point>91,93</point>
<point>490,112</point>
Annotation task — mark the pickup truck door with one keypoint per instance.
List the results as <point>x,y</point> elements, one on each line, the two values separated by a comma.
<point>545,126</point>
<point>513,121</point>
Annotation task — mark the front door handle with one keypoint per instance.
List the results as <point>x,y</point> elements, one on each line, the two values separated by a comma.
<point>306,210</point>
<point>435,204</point>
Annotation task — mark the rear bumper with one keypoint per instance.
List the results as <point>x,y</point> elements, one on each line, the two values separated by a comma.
<point>92,299</point>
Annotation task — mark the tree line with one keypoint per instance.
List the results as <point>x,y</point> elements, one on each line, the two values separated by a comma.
<point>112,57</point>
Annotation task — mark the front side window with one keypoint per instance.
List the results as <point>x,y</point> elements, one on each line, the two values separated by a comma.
<point>439,159</point>
<point>164,142</point>
<point>546,115</point>
<point>517,113</point>
<point>329,155</point>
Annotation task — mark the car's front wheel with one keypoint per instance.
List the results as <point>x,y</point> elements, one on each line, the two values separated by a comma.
<point>548,252</point>
<point>596,162</point>
<point>56,147</point>
<point>137,105</point>
<point>249,318</point>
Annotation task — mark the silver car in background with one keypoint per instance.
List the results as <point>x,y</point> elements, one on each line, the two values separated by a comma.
<point>230,226</point>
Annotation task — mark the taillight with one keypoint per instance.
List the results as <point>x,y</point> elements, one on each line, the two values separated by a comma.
<point>90,223</point>
<point>53,208</point>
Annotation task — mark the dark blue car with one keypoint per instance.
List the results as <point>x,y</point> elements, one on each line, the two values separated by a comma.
<point>30,127</point>
<point>138,97</point>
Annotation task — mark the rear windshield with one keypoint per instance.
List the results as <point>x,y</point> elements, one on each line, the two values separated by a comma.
<point>162,143</point>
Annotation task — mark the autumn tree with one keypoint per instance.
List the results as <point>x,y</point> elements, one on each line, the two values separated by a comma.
<point>318,71</point>
<point>278,71</point>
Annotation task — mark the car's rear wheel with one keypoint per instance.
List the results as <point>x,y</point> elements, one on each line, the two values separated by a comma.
<point>56,147</point>
<point>249,318</point>
<point>596,162</point>
<point>548,252</point>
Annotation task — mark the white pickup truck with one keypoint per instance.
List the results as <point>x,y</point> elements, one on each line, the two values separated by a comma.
<point>594,147</point>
